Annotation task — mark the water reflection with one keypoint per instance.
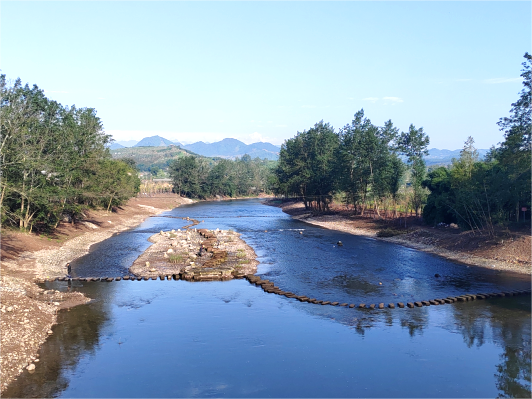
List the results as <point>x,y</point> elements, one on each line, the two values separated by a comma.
<point>507,323</point>
<point>77,335</point>
<point>231,339</point>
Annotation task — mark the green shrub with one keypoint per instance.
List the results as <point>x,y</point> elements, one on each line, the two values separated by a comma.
<point>175,258</point>
<point>389,232</point>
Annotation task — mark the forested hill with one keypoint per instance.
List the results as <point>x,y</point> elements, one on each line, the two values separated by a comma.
<point>154,141</point>
<point>150,158</point>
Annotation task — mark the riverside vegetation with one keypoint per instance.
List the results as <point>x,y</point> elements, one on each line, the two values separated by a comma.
<point>362,165</point>
<point>54,161</point>
<point>478,195</point>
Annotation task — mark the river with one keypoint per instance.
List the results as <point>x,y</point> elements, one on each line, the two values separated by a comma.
<point>231,339</point>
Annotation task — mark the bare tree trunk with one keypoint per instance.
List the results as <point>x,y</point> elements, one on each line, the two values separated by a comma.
<point>109,204</point>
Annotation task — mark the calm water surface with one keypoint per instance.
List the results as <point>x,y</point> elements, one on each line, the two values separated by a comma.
<point>230,339</point>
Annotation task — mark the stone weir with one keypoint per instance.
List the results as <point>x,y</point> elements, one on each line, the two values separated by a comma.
<point>196,255</point>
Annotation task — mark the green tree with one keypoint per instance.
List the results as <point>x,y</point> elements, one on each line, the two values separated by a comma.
<point>50,156</point>
<point>369,166</point>
<point>414,145</point>
<point>307,166</point>
<point>514,154</point>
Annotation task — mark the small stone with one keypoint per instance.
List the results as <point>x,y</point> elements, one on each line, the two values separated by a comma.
<point>147,264</point>
<point>30,367</point>
<point>50,332</point>
<point>170,250</point>
<point>9,309</point>
<point>56,303</point>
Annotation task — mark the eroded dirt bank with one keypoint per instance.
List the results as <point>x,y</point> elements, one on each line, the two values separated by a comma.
<point>508,251</point>
<point>27,311</point>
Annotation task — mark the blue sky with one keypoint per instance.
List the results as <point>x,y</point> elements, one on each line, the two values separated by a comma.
<point>261,71</point>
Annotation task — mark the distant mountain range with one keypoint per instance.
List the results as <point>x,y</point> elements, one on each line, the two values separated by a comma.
<point>115,146</point>
<point>233,148</point>
<point>227,148</point>
<point>126,143</point>
<point>155,141</point>
<point>444,157</point>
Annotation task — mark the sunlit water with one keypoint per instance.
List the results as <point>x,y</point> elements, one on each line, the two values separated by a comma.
<point>181,339</point>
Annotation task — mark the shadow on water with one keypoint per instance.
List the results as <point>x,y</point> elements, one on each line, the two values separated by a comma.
<point>181,339</point>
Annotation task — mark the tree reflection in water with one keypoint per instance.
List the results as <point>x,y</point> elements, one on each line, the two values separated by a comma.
<point>77,334</point>
<point>507,322</point>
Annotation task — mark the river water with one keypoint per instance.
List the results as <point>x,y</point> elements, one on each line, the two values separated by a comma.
<point>231,339</point>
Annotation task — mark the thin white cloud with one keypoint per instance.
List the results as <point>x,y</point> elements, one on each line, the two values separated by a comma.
<point>502,80</point>
<point>56,91</point>
<point>371,99</point>
<point>281,125</point>
<point>463,80</point>
<point>393,99</point>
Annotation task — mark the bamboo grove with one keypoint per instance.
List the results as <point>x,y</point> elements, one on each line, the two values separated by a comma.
<point>54,161</point>
<point>362,162</point>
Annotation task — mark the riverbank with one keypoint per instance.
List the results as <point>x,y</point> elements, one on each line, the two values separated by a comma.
<point>28,311</point>
<point>506,252</point>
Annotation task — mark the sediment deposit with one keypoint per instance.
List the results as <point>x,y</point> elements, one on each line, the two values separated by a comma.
<point>196,255</point>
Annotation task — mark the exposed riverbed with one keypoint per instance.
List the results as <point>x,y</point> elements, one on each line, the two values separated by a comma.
<point>177,338</point>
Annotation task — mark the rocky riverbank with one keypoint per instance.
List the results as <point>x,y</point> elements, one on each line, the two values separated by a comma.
<point>506,252</point>
<point>28,312</point>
